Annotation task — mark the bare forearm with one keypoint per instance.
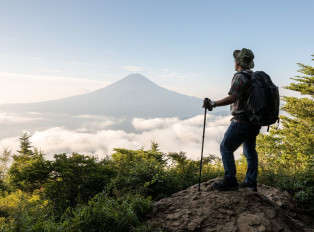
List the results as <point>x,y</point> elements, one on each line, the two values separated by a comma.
<point>226,101</point>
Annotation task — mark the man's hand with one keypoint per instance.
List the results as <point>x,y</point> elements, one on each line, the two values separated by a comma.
<point>207,104</point>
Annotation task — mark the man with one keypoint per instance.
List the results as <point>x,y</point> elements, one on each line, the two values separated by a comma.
<point>240,130</point>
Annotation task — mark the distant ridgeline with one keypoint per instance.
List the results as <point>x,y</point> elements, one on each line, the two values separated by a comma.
<point>133,96</point>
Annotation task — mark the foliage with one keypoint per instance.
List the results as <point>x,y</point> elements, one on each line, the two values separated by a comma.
<point>14,207</point>
<point>68,183</point>
<point>29,169</point>
<point>25,145</point>
<point>159,175</point>
<point>143,171</point>
<point>29,172</point>
<point>102,213</point>
<point>186,171</point>
<point>286,154</point>
<point>4,162</point>
<point>65,181</point>
<point>75,179</point>
<point>105,213</point>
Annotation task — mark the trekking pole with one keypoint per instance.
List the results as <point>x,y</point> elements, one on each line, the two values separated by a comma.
<point>200,175</point>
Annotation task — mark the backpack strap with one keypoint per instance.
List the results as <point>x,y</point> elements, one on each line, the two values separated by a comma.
<point>278,121</point>
<point>246,74</point>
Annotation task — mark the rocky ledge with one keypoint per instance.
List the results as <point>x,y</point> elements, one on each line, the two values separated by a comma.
<point>209,210</point>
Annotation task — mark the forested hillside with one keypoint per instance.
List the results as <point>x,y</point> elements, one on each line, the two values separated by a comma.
<point>83,193</point>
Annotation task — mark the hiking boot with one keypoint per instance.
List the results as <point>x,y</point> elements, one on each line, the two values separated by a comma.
<point>226,185</point>
<point>249,186</point>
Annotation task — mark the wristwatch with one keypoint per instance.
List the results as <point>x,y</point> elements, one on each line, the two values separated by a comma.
<point>213,104</point>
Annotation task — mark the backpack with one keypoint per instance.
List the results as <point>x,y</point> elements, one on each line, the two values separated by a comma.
<point>263,101</point>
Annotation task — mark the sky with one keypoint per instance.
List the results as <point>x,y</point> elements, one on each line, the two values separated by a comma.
<point>55,49</point>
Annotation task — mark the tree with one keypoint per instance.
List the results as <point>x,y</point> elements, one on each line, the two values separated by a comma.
<point>4,162</point>
<point>29,173</point>
<point>140,170</point>
<point>25,145</point>
<point>286,154</point>
<point>75,179</point>
<point>29,170</point>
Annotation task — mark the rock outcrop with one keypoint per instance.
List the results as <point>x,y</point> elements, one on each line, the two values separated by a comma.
<point>209,210</point>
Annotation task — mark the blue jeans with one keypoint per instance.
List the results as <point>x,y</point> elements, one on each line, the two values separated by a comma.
<point>240,133</point>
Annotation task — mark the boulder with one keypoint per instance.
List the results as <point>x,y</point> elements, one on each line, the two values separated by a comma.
<point>210,210</point>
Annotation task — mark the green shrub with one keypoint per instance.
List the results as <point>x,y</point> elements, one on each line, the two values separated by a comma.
<point>75,179</point>
<point>21,211</point>
<point>105,213</point>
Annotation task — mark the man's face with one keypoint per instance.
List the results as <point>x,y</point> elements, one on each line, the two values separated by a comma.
<point>236,64</point>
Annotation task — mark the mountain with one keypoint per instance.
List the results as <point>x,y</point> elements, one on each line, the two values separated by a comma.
<point>133,96</point>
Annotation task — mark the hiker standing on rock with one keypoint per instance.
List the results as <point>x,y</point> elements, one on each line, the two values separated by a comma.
<point>240,131</point>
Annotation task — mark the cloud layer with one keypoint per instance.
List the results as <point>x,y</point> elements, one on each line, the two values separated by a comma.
<point>172,135</point>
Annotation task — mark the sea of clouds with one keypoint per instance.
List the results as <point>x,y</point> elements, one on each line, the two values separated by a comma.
<point>98,135</point>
